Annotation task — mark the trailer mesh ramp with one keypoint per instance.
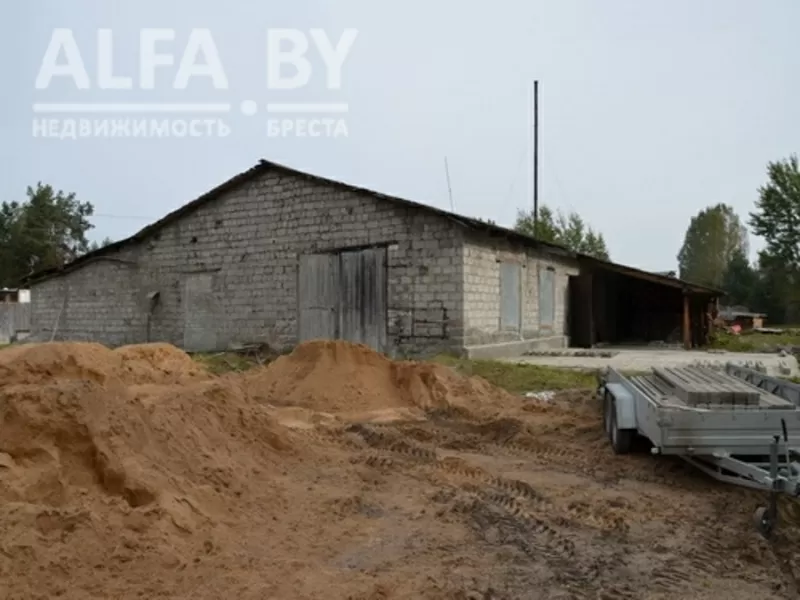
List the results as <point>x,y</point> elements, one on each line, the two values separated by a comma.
<point>696,386</point>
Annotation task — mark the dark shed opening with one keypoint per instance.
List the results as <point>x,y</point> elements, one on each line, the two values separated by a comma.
<point>615,305</point>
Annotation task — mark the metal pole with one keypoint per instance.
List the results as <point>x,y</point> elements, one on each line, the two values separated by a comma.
<point>449,187</point>
<point>58,318</point>
<point>535,155</point>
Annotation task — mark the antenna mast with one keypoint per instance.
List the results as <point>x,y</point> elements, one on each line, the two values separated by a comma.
<point>449,187</point>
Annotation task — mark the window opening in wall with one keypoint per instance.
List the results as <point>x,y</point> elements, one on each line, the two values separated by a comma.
<point>547,298</point>
<point>510,296</point>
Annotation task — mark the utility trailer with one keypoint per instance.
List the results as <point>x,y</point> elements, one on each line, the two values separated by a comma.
<point>734,425</point>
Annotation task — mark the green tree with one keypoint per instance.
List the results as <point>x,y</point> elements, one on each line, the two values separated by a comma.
<point>714,236</point>
<point>569,230</point>
<point>740,281</point>
<point>777,220</point>
<point>546,228</point>
<point>46,230</point>
<point>770,291</point>
<point>94,246</point>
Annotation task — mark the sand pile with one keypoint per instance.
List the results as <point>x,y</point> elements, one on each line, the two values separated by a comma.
<point>335,376</point>
<point>147,363</point>
<point>136,452</point>
<point>135,474</point>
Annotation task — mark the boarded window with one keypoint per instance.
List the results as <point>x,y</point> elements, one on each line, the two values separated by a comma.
<point>547,298</point>
<point>510,306</point>
<point>200,314</point>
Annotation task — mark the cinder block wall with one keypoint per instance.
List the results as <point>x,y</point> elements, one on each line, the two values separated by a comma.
<point>249,241</point>
<point>482,258</point>
<point>96,303</point>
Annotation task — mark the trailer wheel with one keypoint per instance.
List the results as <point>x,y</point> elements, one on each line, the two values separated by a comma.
<point>621,439</point>
<point>763,521</point>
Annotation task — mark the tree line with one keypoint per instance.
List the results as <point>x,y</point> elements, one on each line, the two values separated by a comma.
<point>568,230</point>
<point>48,229</point>
<point>715,249</point>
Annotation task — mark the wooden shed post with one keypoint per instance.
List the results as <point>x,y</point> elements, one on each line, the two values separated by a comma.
<point>687,323</point>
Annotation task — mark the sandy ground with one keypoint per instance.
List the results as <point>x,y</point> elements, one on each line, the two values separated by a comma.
<point>647,358</point>
<point>334,473</point>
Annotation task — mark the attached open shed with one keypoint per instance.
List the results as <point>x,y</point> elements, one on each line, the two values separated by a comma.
<point>617,305</point>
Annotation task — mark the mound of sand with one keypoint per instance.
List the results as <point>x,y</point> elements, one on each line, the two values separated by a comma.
<point>337,377</point>
<point>147,363</point>
<point>136,451</point>
<point>124,472</point>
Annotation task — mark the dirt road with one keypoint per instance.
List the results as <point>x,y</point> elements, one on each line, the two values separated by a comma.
<point>419,485</point>
<point>531,504</point>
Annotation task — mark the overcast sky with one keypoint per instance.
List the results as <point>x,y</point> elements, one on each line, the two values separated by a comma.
<point>650,111</point>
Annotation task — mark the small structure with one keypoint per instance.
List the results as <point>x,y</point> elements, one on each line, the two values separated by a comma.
<point>742,317</point>
<point>15,314</point>
<point>8,295</point>
<point>613,304</point>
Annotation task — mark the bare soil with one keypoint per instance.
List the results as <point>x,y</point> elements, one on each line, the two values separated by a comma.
<point>336,473</point>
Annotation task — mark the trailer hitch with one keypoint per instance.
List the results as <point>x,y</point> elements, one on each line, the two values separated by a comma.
<point>766,517</point>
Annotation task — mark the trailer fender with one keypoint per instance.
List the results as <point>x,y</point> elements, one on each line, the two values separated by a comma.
<point>625,405</point>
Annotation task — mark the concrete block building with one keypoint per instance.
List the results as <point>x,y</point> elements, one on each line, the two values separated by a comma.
<point>278,256</point>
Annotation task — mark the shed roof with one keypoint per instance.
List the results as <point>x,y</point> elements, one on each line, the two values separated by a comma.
<point>264,166</point>
<point>731,312</point>
<point>658,278</point>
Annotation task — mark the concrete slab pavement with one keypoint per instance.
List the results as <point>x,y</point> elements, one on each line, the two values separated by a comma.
<point>643,360</point>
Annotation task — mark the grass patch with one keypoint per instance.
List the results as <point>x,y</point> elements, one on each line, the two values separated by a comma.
<point>754,341</point>
<point>520,378</point>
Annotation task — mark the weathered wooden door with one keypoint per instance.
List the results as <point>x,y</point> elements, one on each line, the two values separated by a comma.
<point>200,318</point>
<point>318,297</point>
<point>343,296</point>
<point>362,297</point>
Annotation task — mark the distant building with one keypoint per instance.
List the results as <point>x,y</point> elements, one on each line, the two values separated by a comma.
<point>741,316</point>
<point>15,295</point>
<point>15,314</point>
